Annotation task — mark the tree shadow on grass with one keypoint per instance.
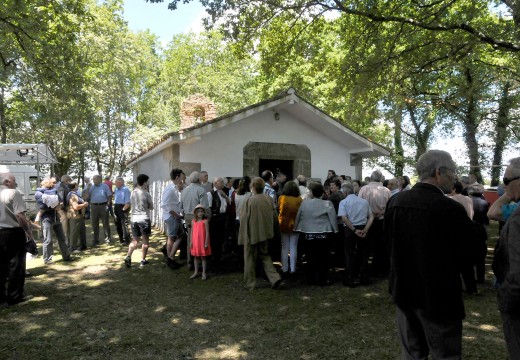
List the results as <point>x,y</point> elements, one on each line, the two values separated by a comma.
<point>96,308</point>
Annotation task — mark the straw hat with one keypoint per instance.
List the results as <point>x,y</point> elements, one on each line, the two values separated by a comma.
<point>199,207</point>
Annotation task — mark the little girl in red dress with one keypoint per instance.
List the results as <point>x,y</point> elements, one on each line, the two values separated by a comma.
<point>200,246</point>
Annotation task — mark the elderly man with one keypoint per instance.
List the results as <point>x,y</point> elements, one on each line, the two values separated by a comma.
<point>218,202</point>
<point>506,264</point>
<point>193,195</point>
<point>14,230</point>
<point>429,237</point>
<point>302,185</point>
<point>75,213</point>
<point>377,196</point>
<point>172,216</point>
<point>268,178</point>
<point>257,221</point>
<point>121,210</point>
<point>356,219</point>
<point>100,197</point>
<point>394,185</point>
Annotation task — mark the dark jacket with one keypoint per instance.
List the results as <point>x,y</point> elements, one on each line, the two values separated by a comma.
<point>428,235</point>
<point>506,265</point>
<point>215,203</point>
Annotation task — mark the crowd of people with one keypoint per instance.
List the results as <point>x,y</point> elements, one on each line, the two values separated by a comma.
<point>424,238</point>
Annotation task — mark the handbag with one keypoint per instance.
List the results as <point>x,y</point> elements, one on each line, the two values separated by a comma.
<point>30,247</point>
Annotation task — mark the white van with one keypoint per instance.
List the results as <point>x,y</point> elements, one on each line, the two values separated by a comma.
<point>27,180</point>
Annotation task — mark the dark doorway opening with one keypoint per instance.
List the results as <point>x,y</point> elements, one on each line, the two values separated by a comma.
<point>285,166</point>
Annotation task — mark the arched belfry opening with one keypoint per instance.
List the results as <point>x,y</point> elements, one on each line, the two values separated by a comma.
<point>196,109</point>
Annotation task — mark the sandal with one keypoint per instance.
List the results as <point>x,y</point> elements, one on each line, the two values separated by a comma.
<point>194,275</point>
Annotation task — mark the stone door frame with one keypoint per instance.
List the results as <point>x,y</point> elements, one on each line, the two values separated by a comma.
<point>254,151</point>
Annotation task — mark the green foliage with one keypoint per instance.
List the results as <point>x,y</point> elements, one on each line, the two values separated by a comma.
<point>437,61</point>
<point>203,63</point>
<point>399,72</point>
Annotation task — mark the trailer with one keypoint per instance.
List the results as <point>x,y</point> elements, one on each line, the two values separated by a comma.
<point>24,161</point>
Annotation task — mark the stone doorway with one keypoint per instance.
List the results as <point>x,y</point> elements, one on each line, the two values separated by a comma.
<point>297,157</point>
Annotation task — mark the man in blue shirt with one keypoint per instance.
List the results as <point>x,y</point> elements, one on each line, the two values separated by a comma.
<point>357,218</point>
<point>121,209</point>
<point>100,197</point>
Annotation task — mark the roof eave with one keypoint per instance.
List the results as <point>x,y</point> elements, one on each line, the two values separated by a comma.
<point>160,147</point>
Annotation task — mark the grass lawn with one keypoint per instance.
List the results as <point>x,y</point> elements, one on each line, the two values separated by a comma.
<point>96,308</point>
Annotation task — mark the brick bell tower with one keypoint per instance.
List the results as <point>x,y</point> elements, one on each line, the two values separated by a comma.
<point>196,109</point>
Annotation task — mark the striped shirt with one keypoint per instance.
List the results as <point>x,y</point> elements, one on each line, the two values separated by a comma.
<point>377,196</point>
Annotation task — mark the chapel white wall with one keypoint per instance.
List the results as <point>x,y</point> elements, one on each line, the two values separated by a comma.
<point>220,152</point>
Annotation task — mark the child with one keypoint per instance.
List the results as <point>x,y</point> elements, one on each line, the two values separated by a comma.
<point>49,197</point>
<point>200,246</point>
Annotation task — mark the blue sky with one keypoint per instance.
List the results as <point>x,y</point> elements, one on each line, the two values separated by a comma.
<point>142,15</point>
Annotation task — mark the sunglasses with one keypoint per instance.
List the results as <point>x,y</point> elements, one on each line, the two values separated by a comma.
<point>508,180</point>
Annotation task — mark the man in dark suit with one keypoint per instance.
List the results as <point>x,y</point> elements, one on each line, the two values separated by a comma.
<point>218,203</point>
<point>428,235</point>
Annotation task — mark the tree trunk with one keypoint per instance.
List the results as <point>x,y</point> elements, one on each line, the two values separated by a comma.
<point>2,116</point>
<point>422,136</point>
<point>504,107</point>
<point>398,143</point>
<point>470,122</point>
<point>63,165</point>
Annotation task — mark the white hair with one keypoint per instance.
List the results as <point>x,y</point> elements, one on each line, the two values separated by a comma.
<point>4,177</point>
<point>515,166</point>
<point>432,160</point>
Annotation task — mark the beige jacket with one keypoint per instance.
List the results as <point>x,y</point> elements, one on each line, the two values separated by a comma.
<point>257,220</point>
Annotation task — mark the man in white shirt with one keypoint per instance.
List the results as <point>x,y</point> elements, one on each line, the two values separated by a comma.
<point>172,216</point>
<point>14,232</point>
